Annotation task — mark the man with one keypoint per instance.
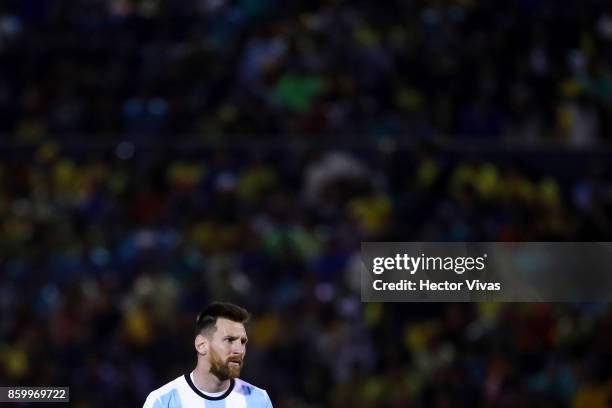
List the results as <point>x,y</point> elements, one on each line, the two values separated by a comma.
<point>220,344</point>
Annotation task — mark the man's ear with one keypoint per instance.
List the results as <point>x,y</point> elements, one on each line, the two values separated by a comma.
<point>201,344</point>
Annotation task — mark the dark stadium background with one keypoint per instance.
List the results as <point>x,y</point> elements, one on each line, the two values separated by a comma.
<point>157,155</point>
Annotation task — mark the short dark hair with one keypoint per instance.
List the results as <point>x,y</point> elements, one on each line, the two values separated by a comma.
<point>207,319</point>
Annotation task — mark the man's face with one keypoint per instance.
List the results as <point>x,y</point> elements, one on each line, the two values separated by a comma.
<point>227,349</point>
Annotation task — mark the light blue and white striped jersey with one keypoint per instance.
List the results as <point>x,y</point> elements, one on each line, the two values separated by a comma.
<point>182,393</point>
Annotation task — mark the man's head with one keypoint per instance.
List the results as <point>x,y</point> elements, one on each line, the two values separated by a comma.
<point>221,339</point>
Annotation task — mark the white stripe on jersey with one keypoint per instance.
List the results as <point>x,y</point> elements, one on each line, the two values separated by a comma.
<point>182,393</point>
<point>236,400</point>
<point>188,397</point>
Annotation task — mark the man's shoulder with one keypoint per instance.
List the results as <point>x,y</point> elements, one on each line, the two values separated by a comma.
<point>164,393</point>
<point>241,384</point>
<point>250,391</point>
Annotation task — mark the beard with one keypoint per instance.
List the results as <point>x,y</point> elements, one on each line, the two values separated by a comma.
<point>224,370</point>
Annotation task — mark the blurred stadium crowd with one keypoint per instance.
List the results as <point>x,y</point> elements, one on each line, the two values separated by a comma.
<point>529,69</point>
<point>108,253</point>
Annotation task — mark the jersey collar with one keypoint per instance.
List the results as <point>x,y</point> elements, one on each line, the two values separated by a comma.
<point>201,394</point>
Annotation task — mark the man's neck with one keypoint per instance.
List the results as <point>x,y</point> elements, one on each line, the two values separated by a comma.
<point>208,382</point>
